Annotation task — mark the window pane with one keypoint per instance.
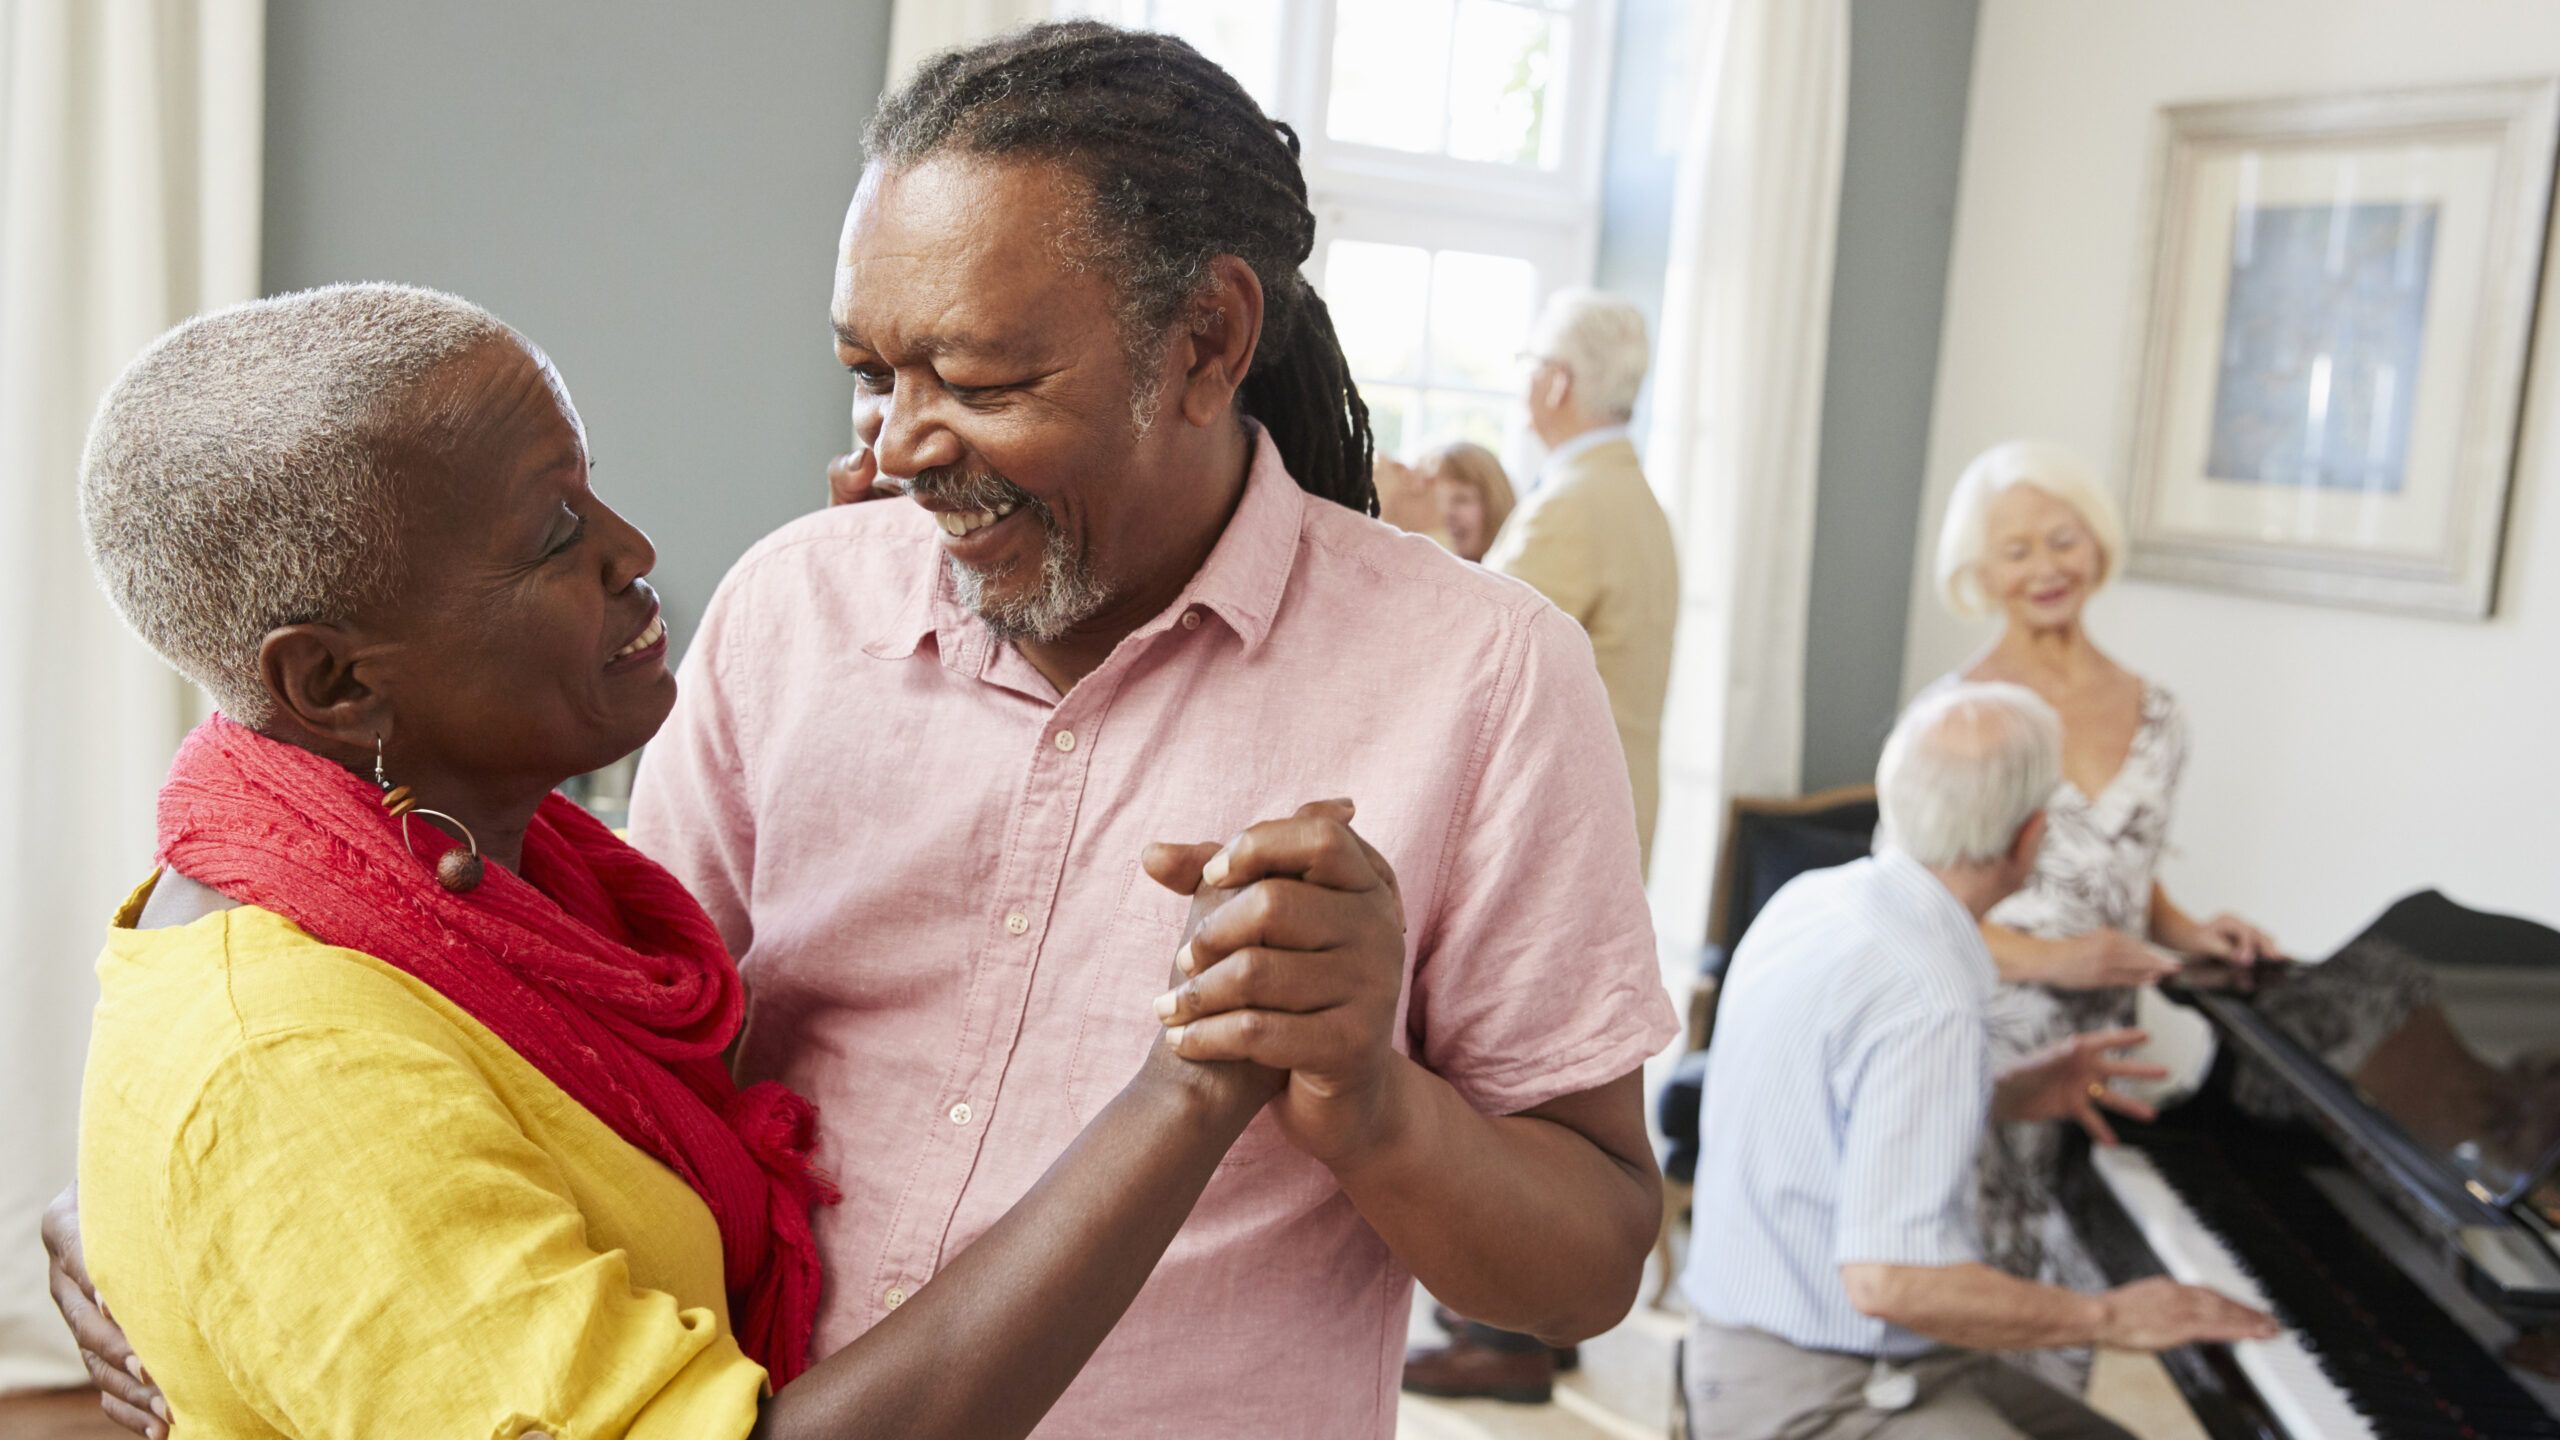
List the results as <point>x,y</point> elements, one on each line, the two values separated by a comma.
<point>1453,415</point>
<point>1480,313</point>
<point>1506,85</point>
<point>1394,418</point>
<point>1390,74</point>
<point>1243,36</point>
<point>1377,294</point>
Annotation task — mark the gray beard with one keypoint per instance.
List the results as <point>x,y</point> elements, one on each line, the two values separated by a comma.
<point>1067,595</point>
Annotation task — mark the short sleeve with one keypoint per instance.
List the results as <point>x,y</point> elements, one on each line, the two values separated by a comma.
<point>1915,1096</point>
<point>1548,544</point>
<point>371,1245</point>
<point>691,808</point>
<point>1537,976</point>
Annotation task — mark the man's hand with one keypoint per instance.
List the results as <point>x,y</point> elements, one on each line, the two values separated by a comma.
<point>2068,1080</point>
<point>125,1391</point>
<point>2161,1314</point>
<point>1299,969</point>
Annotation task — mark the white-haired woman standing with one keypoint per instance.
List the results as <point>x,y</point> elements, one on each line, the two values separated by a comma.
<point>2030,536</point>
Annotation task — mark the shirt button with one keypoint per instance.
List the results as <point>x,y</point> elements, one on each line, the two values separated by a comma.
<point>894,1298</point>
<point>1016,923</point>
<point>1190,619</point>
<point>1066,739</point>
<point>960,1113</point>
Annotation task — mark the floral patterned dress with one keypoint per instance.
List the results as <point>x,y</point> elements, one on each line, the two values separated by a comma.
<point>2094,873</point>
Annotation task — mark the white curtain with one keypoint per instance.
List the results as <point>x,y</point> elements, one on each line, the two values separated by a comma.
<point>129,191</point>
<point>1737,414</point>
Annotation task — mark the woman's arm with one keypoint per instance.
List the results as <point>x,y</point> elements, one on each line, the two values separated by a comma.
<point>990,1344</point>
<point>2097,960</point>
<point>2224,937</point>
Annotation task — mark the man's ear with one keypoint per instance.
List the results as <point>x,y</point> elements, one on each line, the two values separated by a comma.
<point>320,685</point>
<point>1555,387</point>
<point>2029,839</point>
<point>1222,330</point>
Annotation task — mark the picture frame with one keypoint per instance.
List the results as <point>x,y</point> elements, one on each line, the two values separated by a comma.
<point>2332,342</point>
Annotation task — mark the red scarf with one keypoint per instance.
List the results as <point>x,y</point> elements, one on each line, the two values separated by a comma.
<point>592,963</point>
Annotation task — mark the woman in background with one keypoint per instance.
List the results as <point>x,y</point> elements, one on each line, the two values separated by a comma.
<point>1474,495</point>
<point>2030,536</point>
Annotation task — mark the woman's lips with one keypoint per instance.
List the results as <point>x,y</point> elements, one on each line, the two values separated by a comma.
<point>649,644</point>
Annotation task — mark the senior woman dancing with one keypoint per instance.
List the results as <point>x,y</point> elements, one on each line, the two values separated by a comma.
<point>419,1126</point>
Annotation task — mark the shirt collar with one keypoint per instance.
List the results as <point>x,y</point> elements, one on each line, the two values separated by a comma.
<point>1914,879</point>
<point>1580,445</point>
<point>1241,582</point>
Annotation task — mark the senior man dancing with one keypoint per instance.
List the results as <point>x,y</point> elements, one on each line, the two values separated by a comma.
<point>1137,599</point>
<point>1837,1275</point>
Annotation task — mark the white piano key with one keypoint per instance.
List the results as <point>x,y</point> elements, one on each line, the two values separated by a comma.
<point>2297,1391</point>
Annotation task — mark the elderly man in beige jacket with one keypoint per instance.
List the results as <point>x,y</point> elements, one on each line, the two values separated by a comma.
<point>1591,537</point>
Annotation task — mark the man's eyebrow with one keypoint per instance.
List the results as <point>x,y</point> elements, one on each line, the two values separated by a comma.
<point>935,346</point>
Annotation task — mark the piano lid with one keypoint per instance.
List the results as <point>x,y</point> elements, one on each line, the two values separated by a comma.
<point>2442,1019</point>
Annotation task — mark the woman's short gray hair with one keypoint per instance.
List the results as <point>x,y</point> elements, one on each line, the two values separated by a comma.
<point>239,474</point>
<point>1600,340</point>
<point>2056,471</point>
<point>1967,766</point>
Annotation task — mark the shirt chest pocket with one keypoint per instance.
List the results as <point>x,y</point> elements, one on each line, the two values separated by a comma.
<point>1116,1019</point>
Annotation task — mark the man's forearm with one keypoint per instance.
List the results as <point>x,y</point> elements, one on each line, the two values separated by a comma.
<point>1519,1221</point>
<point>1975,1307</point>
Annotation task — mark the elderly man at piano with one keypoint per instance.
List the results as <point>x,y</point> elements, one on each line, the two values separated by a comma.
<point>1837,1277</point>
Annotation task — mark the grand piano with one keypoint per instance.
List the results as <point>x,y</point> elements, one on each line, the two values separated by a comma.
<point>2402,1223</point>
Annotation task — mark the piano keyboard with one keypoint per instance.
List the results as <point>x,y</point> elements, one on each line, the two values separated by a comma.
<point>2302,1397</point>
<point>2365,1352</point>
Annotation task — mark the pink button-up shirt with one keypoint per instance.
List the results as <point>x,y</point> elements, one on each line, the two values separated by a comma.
<point>927,862</point>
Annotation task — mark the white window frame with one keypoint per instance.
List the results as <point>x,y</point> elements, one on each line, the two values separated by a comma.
<point>1550,218</point>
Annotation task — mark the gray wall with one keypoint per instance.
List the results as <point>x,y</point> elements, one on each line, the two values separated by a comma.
<point>649,188</point>
<point>1910,66</point>
<point>1636,177</point>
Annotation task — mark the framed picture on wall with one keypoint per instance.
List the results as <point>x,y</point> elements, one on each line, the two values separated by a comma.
<point>2334,325</point>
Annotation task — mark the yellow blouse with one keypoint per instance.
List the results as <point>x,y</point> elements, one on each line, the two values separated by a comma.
<point>323,1201</point>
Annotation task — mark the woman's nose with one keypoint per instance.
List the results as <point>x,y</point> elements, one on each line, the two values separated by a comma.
<point>630,555</point>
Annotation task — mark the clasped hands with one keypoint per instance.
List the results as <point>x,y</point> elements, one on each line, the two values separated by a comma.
<point>1291,970</point>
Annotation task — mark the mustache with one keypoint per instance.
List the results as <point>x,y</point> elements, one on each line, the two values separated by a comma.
<point>971,489</point>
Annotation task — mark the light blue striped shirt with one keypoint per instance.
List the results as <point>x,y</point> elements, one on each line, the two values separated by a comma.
<point>1846,1091</point>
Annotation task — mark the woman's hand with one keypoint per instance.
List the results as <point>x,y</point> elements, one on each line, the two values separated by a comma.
<point>1404,497</point>
<point>125,1390</point>
<point>854,477</point>
<point>2109,960</point>
<point>1225,1084</point>
<point>2228,937</point>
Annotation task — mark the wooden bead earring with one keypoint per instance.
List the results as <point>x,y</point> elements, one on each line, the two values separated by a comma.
<point>456,870</point>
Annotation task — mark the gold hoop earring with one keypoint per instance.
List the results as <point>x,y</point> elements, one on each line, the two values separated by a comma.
<point>456,870</point>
